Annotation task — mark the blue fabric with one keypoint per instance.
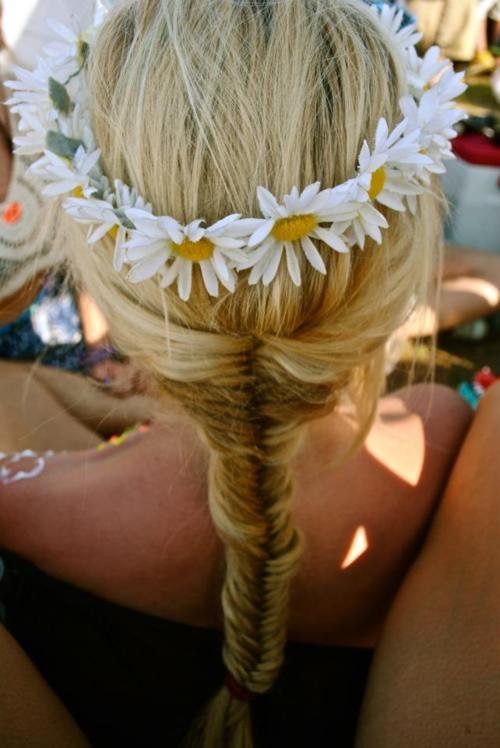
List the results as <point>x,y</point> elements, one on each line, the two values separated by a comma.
<point>52,315</point>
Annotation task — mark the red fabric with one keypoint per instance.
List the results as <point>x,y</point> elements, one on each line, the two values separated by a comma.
<point>476,148</point>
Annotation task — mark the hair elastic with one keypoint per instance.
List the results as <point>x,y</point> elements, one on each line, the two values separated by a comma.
<point>238,691</point>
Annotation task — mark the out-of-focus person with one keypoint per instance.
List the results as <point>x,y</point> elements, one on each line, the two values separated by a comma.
<point>458,27</point>
<point>451,24</point>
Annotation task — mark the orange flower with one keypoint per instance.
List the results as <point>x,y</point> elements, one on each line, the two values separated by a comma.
<point>12,213</point>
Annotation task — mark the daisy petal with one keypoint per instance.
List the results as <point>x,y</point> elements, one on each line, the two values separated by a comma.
<point>292,202</point>
<point>262,233</point>
<point>147,268</point>
<point>381,133</point>
<point>228,280</point>
<point>223,223</point>
<point>329,237</point>
<point>272,266</point>
<point>194,231</point>
<point>171,273</point>
<point>99,233</point>
<point>258,270</point>
<point>138,253</point>
<point>245,227</point>
<point>373,216</point>
<point>173,228</point>
<point>309,195</point>
<point>252,258</point>
<point>226,242</point>
<point>312,255</point>
<point>292,263</point>
<point>219,264</point>
<point>374,232</point>
<point>59,188</point>
<point>209,278</point>
<point>185,280</point>
<point>390,200</point>
<point>268,203</point>
<point>359,234</point>
<point>120,255</point>
<point>412,204</point>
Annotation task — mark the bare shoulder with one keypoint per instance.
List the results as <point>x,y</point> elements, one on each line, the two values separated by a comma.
<point>364,519</point>
<point>132,524</point>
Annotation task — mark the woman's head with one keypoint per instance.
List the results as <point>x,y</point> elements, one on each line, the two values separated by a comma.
<point>195,104</point>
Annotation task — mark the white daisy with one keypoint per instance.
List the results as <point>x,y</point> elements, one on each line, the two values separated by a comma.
<point>99,214</point>
<point>52,104</point>
<point>75,42</point>
<point>163,245</point>
<point>292,226</point>
<point>391,17</point>
<point>449,86</point>
<point>32,101</point>
<point>108,217</point>
<point>367,222</point>
<point>435,122</point>
<point>31,91</point>
<point>31,138</point>
<point>125,197</point>
<point>63,176</point>
<point>423,70</point>
<point>78,126</point>
<point>69,49</point>
<point>381,170</point>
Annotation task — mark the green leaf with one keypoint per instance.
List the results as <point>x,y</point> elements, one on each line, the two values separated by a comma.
<point>59,96</point>
<point>125,222</point>
<point>62,145</point>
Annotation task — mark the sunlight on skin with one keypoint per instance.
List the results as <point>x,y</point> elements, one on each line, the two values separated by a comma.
<point>464,298</point>
<point>423,322</point>
<point>401,450</point>
<point>358,547</point>
<point>476,287</point>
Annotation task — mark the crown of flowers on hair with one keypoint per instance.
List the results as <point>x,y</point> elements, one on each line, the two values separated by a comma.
<point>392,171</point>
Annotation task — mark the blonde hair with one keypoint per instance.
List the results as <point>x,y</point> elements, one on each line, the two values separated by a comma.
<point>195,104</point>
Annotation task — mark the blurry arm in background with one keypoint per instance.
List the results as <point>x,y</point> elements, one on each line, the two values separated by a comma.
<point>30,713</point>
<point>470,289</point>
<point>471,286</point>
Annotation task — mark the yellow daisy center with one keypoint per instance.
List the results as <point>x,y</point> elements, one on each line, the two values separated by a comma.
<point>113,232</point>
<point>78,192</point>
<point>378,183</point>
<point>294,227</point>
<point>194,251</point>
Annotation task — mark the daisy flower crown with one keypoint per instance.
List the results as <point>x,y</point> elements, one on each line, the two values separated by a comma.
<point>392,171</point>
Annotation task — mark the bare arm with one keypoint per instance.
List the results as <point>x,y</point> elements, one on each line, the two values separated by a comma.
<point>436,675</point>
<point>31,716</point>
<point>470,290</point>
